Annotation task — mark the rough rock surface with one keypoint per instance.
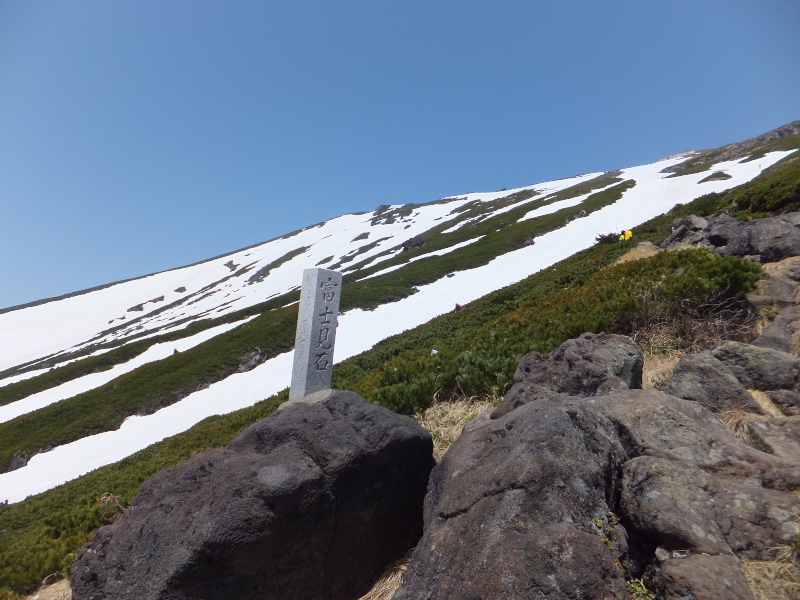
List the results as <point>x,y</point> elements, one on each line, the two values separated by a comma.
<point>557,495</point>
<point>642,250</point>
<point>704,379</point>
<point>412,243</point>
<point>688,230</point>
<point>699,577</point>
<point>760,368</point>
<point>771,239</point>
<point>17,461</point>
<point>786,400</point>
<point>780,436</point>
<point>310,503</point>
<point>784,333</point>
<point>780,284</point>
<point>585,366</point>
<point>511,510</point>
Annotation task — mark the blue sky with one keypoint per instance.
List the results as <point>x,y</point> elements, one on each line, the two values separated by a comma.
<point>142,136</point>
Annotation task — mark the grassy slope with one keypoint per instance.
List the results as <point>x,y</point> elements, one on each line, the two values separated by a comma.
<point>163,382</point>
<point>478,347</point>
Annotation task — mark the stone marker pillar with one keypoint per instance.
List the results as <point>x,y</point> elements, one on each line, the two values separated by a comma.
<point>316,332</point>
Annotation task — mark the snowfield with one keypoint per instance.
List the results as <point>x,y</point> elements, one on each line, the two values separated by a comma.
<point>89,382</point>
<point>32,334</point>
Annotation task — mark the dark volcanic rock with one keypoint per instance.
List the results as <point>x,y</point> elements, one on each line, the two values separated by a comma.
<point>707,482</point>
<point>760,368</point>
<point>684,235</point>
<point>778,436</point>
<point>723,229</point>
<point>511,510</point>
<point>704,379</point>
<point>688,230</point>
<point>578,367</point>
<point>412,243</point>
<point>667,501</point>
<point>522,506</point>
<point>784,333</point>
<point>17,461</point>
<point>692,222</point>
<point>566,496</point>
<point>310,503</point>
<point>774,238</point>
<point>771,239</point>
<point>787,401</point>
<point>700,577</point>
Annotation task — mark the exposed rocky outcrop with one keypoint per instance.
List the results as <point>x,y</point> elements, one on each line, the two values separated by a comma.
<point>252,359</point>
<point>787,401</point>
<point>642,250</point>
<point>517,507</point>
<point>412,243</point>
<point>309,503</point>
<point>18,461</point>
<point>767,240</point>
<point>780,437</point>
<point>707,380</point>
<point>588,365</point>
<point>576,483</point>
<point>760,368</point>
<point>780,284</point>
<point>784,333</point>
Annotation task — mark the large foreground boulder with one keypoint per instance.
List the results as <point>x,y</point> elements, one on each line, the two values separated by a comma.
<point>564,496</point>
<point>310,503</point>
<point>517,507</point>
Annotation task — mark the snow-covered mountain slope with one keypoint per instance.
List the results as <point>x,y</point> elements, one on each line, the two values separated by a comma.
<point>40,334</point>
<point>37,336</point>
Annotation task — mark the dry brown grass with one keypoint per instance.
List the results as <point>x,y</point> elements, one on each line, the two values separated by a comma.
<point>767,405</point>
<point>738,423</point>
<point>665,337</point>
<point>778,579</point>
<point>773,580</point>
<point>658,370</point>
<point>390,581</point>
<point>60,590</point>
<point>445,420</point>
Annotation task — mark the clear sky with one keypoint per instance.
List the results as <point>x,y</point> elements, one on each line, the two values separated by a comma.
<point>145,135</point>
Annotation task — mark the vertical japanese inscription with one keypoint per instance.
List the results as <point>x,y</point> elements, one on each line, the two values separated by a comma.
<point>316,332</point>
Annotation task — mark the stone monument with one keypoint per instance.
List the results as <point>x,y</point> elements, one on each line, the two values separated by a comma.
<point>316,332</point>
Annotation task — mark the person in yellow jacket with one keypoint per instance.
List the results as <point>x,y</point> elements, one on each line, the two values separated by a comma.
<point>626,235</point>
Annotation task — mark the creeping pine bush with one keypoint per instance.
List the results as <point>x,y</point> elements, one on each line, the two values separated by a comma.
<point>482,360</point>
